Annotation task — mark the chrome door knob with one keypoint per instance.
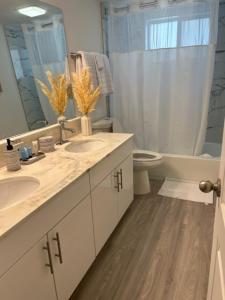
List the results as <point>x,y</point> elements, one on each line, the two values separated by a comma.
<point>206,186</point>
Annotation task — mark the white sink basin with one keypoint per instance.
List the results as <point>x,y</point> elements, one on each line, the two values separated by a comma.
<point>15,190</point>
<point>86,146</point>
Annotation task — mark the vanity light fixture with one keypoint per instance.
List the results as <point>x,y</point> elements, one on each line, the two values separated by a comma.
<point>32,11</point>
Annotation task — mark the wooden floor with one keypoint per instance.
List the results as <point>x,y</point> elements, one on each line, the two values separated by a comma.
<point>159,251</point>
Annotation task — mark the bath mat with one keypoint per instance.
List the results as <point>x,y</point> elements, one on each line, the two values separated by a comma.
<point>184,190</point>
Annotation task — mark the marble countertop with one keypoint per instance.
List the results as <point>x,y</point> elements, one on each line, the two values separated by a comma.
<point>56,171</point>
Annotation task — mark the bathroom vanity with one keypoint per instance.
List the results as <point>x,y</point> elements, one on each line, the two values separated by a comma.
<point>49,241</point>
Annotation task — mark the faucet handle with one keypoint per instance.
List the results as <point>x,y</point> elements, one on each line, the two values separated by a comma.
<point>62,119</point>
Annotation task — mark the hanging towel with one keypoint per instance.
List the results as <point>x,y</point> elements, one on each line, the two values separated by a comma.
<point>67,70</point>
<point>87,60</point>
<point>104,74</point>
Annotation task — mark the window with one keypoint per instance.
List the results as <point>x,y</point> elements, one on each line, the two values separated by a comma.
<point>161,35</point>
<point>195,32</point>
<point>174,33</point>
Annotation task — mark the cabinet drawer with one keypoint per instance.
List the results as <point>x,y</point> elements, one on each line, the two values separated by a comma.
<point>33,228</point>
<point>101,170</point>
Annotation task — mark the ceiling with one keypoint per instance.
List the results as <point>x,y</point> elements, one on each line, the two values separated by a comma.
<point>10,15</point>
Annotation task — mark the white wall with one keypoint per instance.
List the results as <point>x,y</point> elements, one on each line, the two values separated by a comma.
<point>12,117</point>
<point>82,20</point>
<point>217,100</point>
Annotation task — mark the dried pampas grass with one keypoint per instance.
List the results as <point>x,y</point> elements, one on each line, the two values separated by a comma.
<point>57,95</point>
<point>85,96</point>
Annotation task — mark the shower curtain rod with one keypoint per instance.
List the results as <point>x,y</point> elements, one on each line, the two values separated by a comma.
<point>141,5</point>
<point>149,4</point>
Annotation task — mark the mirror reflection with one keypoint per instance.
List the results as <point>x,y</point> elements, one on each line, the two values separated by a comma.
<point>30,45</point>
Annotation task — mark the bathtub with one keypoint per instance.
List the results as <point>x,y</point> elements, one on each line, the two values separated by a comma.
<point>194,168</point>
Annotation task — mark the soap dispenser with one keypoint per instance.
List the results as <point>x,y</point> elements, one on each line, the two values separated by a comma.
<point>12,157</point>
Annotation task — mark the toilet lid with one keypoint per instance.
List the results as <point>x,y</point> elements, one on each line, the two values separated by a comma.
<point>139,155</point>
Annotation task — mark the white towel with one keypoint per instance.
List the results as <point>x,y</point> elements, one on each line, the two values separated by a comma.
<point>87,60</point>
<point>99,67</point>
<point>67,70</point>
<point>104,74</point>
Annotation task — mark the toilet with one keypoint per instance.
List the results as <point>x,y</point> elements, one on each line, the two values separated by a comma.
<point>143,162</point>
<point>102,125</point>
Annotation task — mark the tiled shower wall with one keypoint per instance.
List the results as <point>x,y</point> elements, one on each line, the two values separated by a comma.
<point>24,76</point>
<point>217,101</point>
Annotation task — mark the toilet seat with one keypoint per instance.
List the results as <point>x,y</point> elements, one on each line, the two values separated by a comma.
<point>146,156</point>
<point>146,159</point>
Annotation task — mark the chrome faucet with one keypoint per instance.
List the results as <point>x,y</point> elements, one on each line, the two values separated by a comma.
<point>39,123</point>
<point>62,128</point>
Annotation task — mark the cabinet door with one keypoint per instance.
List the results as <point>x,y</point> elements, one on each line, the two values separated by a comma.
<point>72,244</point>
<point>29,278</point>
<point>105,210</point>
<point>126,192</point>
<point>218,290</point>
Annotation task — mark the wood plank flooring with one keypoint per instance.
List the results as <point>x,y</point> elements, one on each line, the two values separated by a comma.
<point>160,251</point>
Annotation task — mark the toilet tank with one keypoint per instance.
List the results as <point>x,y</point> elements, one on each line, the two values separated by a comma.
<point>103,125</point>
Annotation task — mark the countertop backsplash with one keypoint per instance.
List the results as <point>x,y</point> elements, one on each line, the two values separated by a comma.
<point>30,136</point>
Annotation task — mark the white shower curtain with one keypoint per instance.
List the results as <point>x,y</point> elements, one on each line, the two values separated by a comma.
<point>47,51</point>
<point>162,60</point>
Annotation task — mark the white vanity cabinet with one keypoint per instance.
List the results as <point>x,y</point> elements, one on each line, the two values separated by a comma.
<point>48,254</point>
<point>30,277</point>
<point>113,194</point>
<point>72,248</point>
<point>125,192</point>
<point>105,210</point>
<point>35,272</point>
<point>62,257</point>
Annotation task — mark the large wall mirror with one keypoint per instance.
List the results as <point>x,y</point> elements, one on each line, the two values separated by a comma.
<point>31,42</point>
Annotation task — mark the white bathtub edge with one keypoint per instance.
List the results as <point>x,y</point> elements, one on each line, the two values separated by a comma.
<point>185,167</point>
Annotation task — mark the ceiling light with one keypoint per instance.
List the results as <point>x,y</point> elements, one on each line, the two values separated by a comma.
<point>32,11</point>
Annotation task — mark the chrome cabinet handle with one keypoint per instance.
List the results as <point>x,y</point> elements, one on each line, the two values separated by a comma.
<point>117,181</point>
<point>121,178</point>
<point>50,265</point>
<point>59,255</point>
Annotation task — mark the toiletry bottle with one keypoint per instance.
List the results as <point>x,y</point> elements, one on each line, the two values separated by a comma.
<point>24,154</point>
<point>29,150</point>
<point>9,145</point>
<point>35,147</point>
<point>12,157</point>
